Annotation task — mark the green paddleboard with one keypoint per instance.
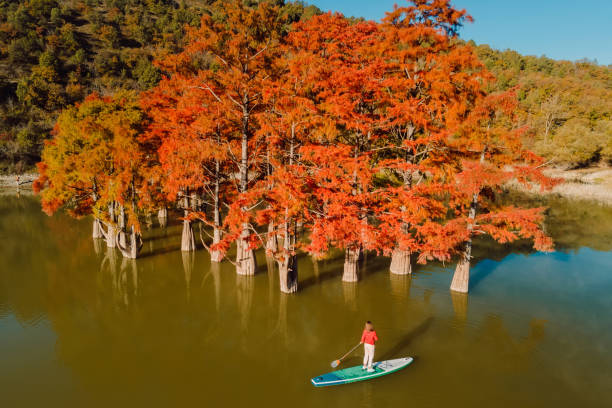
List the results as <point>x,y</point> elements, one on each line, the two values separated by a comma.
<point>353,374</point>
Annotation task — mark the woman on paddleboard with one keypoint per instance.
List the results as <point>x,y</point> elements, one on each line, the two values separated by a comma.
<point>368,339</point>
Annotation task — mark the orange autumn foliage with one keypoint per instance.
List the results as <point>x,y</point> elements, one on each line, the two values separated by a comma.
<point>369,136</point>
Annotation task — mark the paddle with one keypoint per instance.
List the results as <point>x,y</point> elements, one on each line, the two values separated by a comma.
<point>336,363</point>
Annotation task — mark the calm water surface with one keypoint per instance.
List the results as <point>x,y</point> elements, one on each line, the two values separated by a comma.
<point>80,326</point>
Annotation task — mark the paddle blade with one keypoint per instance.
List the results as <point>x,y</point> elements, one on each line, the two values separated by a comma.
<point>335,363</point>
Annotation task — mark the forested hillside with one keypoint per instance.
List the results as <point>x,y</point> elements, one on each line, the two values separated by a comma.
<point>567,105</point>
<point>54,53</point>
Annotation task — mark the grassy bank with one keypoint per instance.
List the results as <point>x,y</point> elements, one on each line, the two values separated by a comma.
<point>593,184</point>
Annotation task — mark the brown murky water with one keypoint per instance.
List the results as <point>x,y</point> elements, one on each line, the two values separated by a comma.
<point>80,326</point>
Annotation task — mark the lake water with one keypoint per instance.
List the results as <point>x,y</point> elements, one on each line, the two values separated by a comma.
<point>80,326</point>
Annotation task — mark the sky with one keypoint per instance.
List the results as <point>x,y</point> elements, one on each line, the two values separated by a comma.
<point>559,29</point>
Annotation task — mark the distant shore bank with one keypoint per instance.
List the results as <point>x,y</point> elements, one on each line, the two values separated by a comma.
<point>17,180</point>
<point>593,184</point>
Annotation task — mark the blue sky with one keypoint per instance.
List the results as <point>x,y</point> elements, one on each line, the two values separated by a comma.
<point>560,29</point>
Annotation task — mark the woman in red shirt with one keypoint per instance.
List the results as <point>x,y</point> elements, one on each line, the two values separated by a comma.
<point>368,339</point>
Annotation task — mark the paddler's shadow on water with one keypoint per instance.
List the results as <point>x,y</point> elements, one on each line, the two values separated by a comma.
<point>398,350</point>
<point>401,347</point>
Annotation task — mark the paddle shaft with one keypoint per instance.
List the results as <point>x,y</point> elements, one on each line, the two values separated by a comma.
<point>350,351</point>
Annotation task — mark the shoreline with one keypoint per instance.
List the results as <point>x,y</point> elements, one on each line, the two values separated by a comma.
<point>17,180</point>
<point>592,184</point>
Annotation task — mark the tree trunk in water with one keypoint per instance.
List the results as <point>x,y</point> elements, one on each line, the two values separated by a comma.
<point>400,262</point>
<point>351,265</point>
<point>187,239</point>
<point>288,274</point>
<point>162,217</point>
<point>461,277</point>
<point>121,238</point>
<point>271,237</point>
<point>287,260</point>
<point>111,229</point>
<point>245,257</point>
<point>111,236</point>
<point>130,250</point>
<point>272,242</point>
<point>216,255</point>
<point>97,229</point>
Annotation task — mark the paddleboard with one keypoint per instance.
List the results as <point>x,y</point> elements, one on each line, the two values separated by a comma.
<point>353,374</point>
